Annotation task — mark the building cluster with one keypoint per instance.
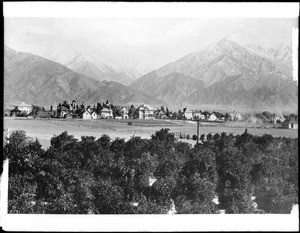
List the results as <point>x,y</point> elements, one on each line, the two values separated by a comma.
<point>143,111</point>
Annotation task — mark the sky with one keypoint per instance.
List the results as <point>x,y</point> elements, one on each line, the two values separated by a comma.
<point>153,42</point>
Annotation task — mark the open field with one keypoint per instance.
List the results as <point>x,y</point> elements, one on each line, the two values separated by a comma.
<point>44,129</point>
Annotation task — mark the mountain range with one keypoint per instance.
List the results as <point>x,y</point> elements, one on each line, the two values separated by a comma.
<point>240,70</point>
<point>37,80</point>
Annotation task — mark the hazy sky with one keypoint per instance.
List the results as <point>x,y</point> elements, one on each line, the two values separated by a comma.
<point>151,41</point>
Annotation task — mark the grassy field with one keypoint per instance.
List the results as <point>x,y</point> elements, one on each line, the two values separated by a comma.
<point>44,129</point>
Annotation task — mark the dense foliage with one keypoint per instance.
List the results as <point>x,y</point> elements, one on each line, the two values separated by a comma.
<point>150,176</point>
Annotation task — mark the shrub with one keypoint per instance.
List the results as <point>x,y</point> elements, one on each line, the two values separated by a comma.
<point>188,136</point>
<point>194,137</point>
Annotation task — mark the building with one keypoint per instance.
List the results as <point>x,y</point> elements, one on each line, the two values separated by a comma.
<point>24,108</point>
<point>68,115</point>
<point>94,115</point>
<point>161,114</point>
<point>290,124</point>
<point>106,113</point>
<point>15,112</point>
<point>63,112</point>
<point>212,117</point>
<point>238,116</point>
<point>198,115</point>
<point>7,111</point>
<point>277,119</point>
<point>124,112</point>
<point>87,115</point>
<point>188,114</point>
<point>145,112</point>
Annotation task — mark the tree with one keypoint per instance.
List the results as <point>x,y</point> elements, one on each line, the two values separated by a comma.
<point>216,137</point>
<point>131,111</point>
<point>163,135</point>
<point>66,105</point>
<point>197,183</point>
<point>104,141</point>
<point>175,115</point>
<point>24,156</point>
<point>202,137</point>
<point>168,112</point>
<point>180,115</point>
<point>209,137</point>
<point>118,145</point>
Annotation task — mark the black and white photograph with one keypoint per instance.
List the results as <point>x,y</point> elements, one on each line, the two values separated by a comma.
<point>123,114</point>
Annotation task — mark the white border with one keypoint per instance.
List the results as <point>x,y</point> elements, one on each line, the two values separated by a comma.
<point>149,9</point>
<point>145,222</point>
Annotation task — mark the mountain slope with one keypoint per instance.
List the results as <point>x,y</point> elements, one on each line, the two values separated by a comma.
<point>36,80</point>
<point>98,70</point>
<point>238,70</point>
<point>173,87</point>
<point>96,64</point>
<point>232,92</point>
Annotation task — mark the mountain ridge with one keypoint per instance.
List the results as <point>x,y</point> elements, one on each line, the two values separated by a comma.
<point>257,70</point>
<point>37,80</point>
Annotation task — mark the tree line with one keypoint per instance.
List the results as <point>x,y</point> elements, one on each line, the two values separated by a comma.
<point>105,176</point>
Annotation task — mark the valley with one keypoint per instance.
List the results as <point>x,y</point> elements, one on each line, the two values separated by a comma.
<point>44,129</point>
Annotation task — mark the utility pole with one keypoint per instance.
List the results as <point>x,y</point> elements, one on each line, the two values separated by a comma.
<point>198,124</point>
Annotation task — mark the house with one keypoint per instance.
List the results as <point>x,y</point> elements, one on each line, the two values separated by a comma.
<point>15,112</point>
<point>198,115</point>
<point>161,114</point>
<point>124,112</point>
<point>212,117</point>
<point>145,112</point>
<point>7,111</point>
<point>87,115</point>
<point>63,112</point>
<point>24,108</point>
<point>68,115</point>
<point>238,116</point>
<point>94,115</point>
<point>277,118</point>
<point>188,114</point>
<point>290,124</point>
<point>106,113</point>
<point>73,105</point>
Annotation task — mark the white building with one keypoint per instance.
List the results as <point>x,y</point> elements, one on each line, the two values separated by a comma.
<point>23,107</point>
<point>106,113</point>
<point>212,117</point>
<point>199,115</point>
<point>87,115</point>
<point>124,113</point>
<point>188,114</point>
<point>94,115</point>
<point>146,112</point>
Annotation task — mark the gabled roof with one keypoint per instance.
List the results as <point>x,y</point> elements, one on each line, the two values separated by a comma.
<point>24,105</point>
<point>160,112</point>
<point>15,110</point>
<point>86,111</point>
<point>63,108</point>
<point>106,110</point>
<point>187,110</point>
<point>149,107</point>
<point>290,121</point>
